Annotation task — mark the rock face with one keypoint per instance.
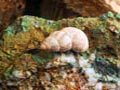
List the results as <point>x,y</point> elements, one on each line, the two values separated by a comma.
<point>9,10</point>
<point>21,57</point>
<point>54,9</point>
<point>93,7</point>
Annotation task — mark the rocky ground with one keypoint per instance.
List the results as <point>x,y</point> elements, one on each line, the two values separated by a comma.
<point>24,66</point>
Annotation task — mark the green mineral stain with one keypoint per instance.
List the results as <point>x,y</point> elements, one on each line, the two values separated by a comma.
<point>37,59</point>
<point>110,14</point>
<point>41,21</point>
<point>117,16</point>
<point>25,29</point>
<point>103,17</point>
<point>9,30</point>
<point>24,24</point>
<point>9,72</point>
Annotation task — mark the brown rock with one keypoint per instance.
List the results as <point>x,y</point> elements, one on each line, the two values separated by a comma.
<point>93,7</point>
<point>9,10</point>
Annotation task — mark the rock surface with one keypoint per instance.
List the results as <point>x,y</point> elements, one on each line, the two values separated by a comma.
<point>23,63</point>
<point>9,11</point>
<point>93,7</point>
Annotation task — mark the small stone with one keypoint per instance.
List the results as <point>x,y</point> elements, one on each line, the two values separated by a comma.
<point>63,74</point>
<point>72,83</point>
<point>92,81</point>
<point>47,77</point>
<point>74,70</point>
<point>18,74</point>
<point>11,83</point>
<point>98,86</point>
<point>92,57</point>
<point>68,58</point>
<point>61,87</point>
<point>84,63</point>
<point>28,73</point>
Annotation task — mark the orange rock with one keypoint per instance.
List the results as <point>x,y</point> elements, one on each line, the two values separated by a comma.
<point>93,7</point>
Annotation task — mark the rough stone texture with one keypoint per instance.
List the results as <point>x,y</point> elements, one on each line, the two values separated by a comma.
<point>55,9</point>
<point>9,10</point>
<point>28,32</point>
<point>22,62</point>
<point>93,7</point>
